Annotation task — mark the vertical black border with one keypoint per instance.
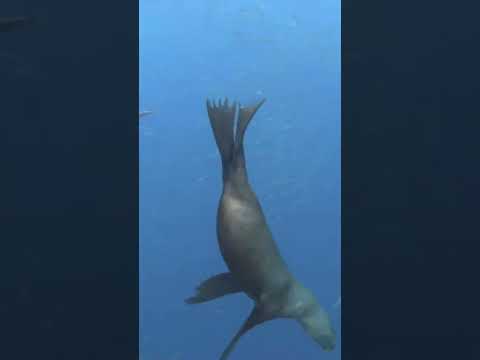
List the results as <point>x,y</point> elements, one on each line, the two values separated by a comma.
<point>69,181</point>
<point>410,180</point>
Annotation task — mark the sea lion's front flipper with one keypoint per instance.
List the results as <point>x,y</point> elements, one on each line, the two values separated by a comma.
<point>256,317</point>
<point>215,287</point>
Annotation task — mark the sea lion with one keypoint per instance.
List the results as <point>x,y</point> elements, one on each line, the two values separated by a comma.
<point>246,243</point>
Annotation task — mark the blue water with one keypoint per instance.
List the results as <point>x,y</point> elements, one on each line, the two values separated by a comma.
<point>278,49</point>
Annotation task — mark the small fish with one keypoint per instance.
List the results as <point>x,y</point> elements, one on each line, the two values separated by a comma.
<point>13,23</point>
<point>144,113</point>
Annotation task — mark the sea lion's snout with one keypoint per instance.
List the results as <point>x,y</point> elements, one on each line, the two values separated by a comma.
<point>324,336</point>
<point>302,305</point>
<point>317,324</point>
<point>327,341</point>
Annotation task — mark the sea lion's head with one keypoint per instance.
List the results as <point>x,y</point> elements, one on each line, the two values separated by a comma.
<point>316,323</point>
<point>304,307</point>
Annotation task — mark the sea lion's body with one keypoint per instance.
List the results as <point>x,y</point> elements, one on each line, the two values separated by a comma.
<point>246,242</point>
<point>247,246</point>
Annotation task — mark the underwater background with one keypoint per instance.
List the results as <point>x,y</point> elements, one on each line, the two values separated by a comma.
<point>289,53</point>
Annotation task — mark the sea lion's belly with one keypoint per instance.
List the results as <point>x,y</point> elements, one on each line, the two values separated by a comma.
<point>247,246</point>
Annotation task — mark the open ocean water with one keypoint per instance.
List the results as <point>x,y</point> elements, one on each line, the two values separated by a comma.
<point>289,53</point>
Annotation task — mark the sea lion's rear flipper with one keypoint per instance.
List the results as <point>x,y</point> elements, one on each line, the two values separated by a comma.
<point>255,318</point>
<point>215,287</point>
<point>222,120</point>
<point>245,115</point>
